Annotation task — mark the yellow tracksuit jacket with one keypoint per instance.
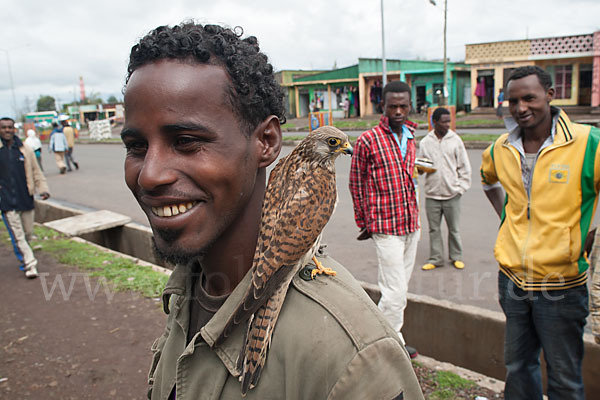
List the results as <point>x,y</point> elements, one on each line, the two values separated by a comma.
<point>541,236</point>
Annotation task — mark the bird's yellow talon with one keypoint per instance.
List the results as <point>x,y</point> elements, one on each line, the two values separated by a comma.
<point>320,269</point>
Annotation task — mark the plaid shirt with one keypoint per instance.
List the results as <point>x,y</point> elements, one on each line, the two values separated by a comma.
<point>381,183</point>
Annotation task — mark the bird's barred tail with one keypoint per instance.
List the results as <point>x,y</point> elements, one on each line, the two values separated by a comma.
<point>258,339</point>
<point>252,300</point>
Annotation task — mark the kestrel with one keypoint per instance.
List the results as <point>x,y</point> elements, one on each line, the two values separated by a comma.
<point>299,200</point>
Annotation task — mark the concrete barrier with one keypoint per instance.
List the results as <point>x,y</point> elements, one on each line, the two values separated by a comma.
<point>132,239</point>
<point>467,336</point>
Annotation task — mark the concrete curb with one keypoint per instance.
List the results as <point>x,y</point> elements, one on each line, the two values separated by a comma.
<point>431,363</point>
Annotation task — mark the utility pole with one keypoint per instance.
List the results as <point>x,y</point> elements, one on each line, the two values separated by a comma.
<point>445,101</point>
<point>12,84</point>
<point>383,61</point>
<point>445,88</point>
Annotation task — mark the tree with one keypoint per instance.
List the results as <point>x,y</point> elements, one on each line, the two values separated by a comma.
<point>92,98</point>
<point>112,100</point>
<point>46,103</point>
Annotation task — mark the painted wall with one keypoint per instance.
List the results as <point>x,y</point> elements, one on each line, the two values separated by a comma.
<point>550,65</point>
<point>498,77</point>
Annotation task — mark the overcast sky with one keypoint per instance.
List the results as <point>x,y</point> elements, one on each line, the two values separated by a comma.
<point>52,43</point>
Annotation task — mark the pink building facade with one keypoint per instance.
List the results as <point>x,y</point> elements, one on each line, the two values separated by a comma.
<point>573,61</point>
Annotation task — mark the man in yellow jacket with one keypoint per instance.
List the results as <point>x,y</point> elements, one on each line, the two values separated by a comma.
<point>550,170</point>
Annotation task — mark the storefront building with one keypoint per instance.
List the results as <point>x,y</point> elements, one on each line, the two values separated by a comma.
<point>572,61</point>
<point>356,90</point>
<point>285,78</point>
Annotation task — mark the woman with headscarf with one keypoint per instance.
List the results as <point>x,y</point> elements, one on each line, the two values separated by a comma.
<point>36,145</point>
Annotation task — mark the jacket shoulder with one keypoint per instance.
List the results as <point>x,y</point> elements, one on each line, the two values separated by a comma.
<point>497,145</point>
<point>26,149</point>
<point>340,341</point>
<point>342,298</point>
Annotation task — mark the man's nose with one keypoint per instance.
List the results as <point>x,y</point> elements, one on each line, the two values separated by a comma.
<point>156,170</point>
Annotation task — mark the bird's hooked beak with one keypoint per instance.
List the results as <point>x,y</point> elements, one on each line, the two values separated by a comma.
<point>346,148</point>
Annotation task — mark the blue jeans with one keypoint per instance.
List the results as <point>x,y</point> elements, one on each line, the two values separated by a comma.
<point>549,320</point>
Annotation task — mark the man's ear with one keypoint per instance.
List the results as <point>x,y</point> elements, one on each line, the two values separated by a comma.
<point>268,136</point>
<point>550,94</point>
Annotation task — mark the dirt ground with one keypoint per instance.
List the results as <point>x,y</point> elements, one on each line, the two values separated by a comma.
<point>84,343</point>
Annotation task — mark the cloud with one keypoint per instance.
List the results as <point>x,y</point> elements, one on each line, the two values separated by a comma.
<point>52,44</point>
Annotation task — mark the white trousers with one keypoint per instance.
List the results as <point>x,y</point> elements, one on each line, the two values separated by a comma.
<point>396,257</point>
<point>19,224</point>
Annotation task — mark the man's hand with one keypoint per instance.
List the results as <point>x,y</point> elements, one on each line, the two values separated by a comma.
<point>45,195</point>
<point>364,234</point>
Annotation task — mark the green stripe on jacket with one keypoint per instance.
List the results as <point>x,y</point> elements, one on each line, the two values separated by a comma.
<point>588,192</point>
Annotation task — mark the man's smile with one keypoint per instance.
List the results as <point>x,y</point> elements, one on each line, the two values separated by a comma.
<point>525,117</point>
<point>172,210</point>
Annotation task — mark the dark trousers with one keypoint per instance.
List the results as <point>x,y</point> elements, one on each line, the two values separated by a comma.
<point>69,159</point>
<point>551,320</point>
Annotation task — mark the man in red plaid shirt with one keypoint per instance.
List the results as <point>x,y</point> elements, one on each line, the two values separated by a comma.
<point>385,198</point>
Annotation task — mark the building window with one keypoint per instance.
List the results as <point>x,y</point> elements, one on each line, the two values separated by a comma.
<point>562,81</point>
<point>507,72</point>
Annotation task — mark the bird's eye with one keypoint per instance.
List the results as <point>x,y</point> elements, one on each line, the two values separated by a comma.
<point>333,142</point>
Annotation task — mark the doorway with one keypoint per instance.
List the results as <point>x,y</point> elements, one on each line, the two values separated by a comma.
<point>421,97</point>
<point>585,85</point>
<point>485,88</point>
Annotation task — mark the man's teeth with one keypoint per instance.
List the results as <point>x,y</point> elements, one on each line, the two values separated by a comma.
<point>169,211</point>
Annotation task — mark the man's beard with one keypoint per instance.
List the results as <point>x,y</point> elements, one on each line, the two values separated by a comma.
<point>175,256</point>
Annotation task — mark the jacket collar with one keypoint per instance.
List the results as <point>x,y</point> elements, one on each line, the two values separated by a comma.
<point>561,131</point>
<point>448,135</point>
<point>180,283</point>
<point>16,141</point>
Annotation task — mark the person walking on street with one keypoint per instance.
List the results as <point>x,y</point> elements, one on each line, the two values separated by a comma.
<point>70,136</point>
<point>548,167</point>
<point>20,178</point>
<point>202,124</point>
<point>444,188</point>
<point>385,199</point>
<point>36,145</point>
<point>58,146</point>
<point>500,103</point>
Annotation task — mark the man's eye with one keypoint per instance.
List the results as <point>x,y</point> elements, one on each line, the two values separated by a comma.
<point>189,143</point>
<point>135,147</point>
<point>183,140</point>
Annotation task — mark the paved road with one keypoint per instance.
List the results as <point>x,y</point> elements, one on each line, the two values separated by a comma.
<point>421,132</point>
<point>99,184</point>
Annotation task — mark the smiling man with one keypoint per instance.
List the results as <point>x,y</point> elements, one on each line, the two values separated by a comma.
<point>203,114</point>
<point>550,169</point>
<point>385,199</point>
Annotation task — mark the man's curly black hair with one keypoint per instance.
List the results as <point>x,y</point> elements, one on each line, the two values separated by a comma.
<point>543,76</point>
<point>255,93</point>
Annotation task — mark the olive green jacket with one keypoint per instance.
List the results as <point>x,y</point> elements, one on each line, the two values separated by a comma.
<point>330,342</point>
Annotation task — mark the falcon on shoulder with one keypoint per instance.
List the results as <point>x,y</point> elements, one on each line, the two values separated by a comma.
<point>300,198</point>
